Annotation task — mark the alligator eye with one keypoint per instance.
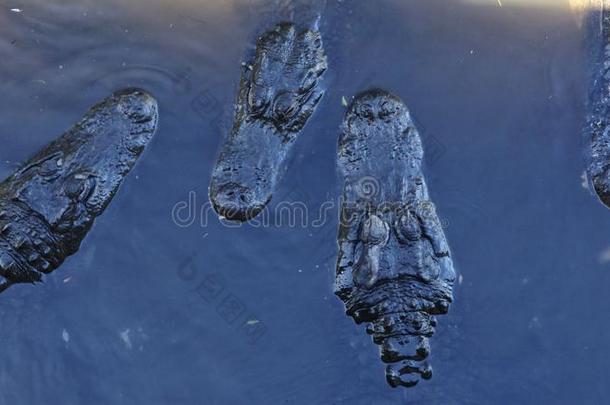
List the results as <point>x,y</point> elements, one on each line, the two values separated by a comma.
<point>257,101</point>
<point>374,230</point>
<point>47,167</point>
<point>407,228</point>
<point>50,167</point>
<point>285,105</point>
<point>80,187</point>
<point>309,81</point>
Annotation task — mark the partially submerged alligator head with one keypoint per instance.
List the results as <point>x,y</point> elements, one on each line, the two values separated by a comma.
<point>48,206</point>
<point>596,17</point>
<point>394,269</point>
<point>279,91</point>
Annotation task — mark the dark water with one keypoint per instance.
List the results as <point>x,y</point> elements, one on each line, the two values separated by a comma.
<point>150,312</point>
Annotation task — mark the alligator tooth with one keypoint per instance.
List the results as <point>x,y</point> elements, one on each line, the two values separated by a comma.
<point>33,257</point>
<point>6,227</point>
<point>46,250</point>
<point>3,214</point>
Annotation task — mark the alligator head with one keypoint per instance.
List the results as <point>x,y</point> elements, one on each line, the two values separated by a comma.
<point>394,269</point>
<point>279,91</point>
<point>50,204</point>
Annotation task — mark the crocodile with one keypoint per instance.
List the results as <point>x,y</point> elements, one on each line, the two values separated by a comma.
<point>394,268</point>
<point>596,131</point>
<point>48,206</point>
<point>279,90</point>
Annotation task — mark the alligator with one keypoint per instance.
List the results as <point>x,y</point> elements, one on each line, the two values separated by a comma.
<point>597,129</point>
<point>394,268</point>
<point>279,90</point>
<point>48,206</point>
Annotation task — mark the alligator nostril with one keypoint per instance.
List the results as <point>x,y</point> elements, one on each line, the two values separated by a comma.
<point>234,194</point>
<point>230,193</point>
<point>235,202</point>
<point>137,105</point>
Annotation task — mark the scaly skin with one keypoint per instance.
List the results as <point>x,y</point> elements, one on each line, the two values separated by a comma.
<point>394,269</point>
<point>279,91</point>
<point>597,26</point>
<point>48,206</point>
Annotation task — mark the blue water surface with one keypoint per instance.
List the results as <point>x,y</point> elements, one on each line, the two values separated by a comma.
<point>164,309</point>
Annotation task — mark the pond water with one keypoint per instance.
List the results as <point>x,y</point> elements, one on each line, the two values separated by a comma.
<point>161,309</point>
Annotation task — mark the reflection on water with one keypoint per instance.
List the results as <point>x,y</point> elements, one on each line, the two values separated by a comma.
<point>555,4</point>
<point>501,88</point>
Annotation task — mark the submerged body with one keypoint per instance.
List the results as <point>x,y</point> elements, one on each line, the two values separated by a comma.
<point>48,206</point>
<point>394,269</point>
<point>597,127</point>
<point>279,90</point>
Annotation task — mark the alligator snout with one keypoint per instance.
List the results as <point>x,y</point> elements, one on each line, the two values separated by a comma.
<point>137,105</point>
<point>140,112</point>
<point>236,202</point>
